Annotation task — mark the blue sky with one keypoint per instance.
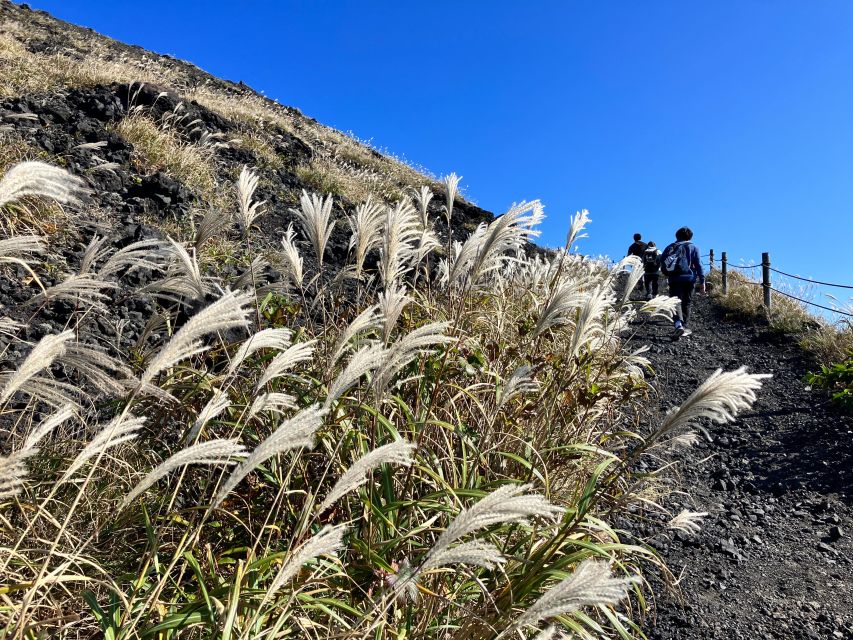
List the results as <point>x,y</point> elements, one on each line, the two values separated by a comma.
<point>735,118</point>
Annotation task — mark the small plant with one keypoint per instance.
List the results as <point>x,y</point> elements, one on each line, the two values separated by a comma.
<point>838,380</point>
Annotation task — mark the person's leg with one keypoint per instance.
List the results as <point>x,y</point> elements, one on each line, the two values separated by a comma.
<point>675,292</point>
<point>686,296</point>
<point>647,284</point>
<point>654,277</point>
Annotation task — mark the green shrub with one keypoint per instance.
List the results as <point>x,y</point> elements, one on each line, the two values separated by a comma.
<point>838,380</point>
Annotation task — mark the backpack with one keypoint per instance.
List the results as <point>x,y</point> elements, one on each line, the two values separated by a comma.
<point>650,259</point>
<point>675,260</point>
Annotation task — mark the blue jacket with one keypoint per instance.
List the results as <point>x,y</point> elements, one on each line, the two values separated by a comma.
<point>697,273</point>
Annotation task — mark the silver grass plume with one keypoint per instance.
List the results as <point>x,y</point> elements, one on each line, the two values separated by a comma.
<point>661,307</point>
<point>634,276</point>
<point>399,236</point>
<point>507,504</point>
<point>635,364</point>
<point>405,349</point>
<point>286,360</point>
<point>253,276</point>
<point>685,440</point>
<point>690,522</point>
<point>473,552</point>
<point>77,289</point>
<point>183,278</point>
<point>278,339</point>
<point>590,325</point>
<point>362,362</point>
<point>21,248</point>
<point>560,309</point>
<point>367,320</point>
<point>519,383</point>
<point>548,633</point>
<point>218,403</point>
<point>422,198</point>
<point>249,210</point>
<point>399,452</point>
<point>48,425</point>
<point>13,473</point>
<point>577,224</point>
<point>366,227</point>
<point>290,434</point>
<point>392,301</point>
<point>214,452</point>
<point>720,398</point>
<point>275,402</point>
<point>313,215</point>
<point>40,358</point>
<point>145,254</point>
<point>451,189</point>
<point>488,247</point>
<point>94,250</point>
<point>328,541</point>
<point>590,584</point>
<point>40,180</point>
<point>291,254</point>
<point>229,312</point>
<point>105,373</point>
<point>211,225</point>
<point>119,430</point>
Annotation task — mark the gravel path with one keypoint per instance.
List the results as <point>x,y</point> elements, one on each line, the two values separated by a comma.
<point>774,558</point>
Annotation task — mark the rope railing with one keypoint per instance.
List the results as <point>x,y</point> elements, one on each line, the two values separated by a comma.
<point>824,284</point>
<point>767,286</point>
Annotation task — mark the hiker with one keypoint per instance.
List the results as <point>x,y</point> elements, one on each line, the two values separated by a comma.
<point>681,264</point>
<point>637,247</point>
<point>651,269</point>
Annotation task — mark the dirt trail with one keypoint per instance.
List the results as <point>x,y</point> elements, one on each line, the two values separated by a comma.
<point>774,558</point>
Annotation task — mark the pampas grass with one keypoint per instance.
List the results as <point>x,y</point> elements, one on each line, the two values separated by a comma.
<point>399,452</point>
<point>249,210</point>
<point>214,452</point>
<point>314,217</point>
<point>40,358</point>
<point>229,312</point>
<point>37,179</point>
<point>689,522</point>
<point>293,258</point>
<point>292,434</point>
<point>719,399</point>
<point>590,584</point>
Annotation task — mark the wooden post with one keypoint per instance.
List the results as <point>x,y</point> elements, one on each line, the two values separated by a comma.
<point>712,260</point>
<point>765,278</point>
<point>724,264</point>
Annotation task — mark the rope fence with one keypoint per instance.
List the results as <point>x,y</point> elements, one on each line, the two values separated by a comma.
<point>767,285</point>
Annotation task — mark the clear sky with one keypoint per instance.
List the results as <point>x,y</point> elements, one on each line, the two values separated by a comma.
<point>733,117</point>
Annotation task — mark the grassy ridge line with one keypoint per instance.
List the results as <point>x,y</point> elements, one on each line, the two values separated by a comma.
<point>39,54</point>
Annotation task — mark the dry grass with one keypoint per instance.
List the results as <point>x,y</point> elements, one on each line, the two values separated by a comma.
<point>24,72</point>
<point>827,342</point>
<point>156,149</point>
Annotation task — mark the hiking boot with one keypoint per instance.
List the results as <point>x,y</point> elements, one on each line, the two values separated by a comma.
<point>680,332</point>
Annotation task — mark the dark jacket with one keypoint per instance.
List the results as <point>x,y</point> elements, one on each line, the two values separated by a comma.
<point>651,260</point>
<point>696,271</point>
<point>637,248</point>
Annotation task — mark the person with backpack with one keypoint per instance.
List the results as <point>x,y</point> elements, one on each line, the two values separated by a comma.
<point>637,247</point>
<point>681,264</point>
<point>651,269</point>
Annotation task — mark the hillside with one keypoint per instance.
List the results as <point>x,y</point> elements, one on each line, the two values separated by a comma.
<point>159,140</point>
<point>258,380</point>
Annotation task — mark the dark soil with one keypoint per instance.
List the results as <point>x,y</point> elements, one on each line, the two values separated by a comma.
<point>773,559</point>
